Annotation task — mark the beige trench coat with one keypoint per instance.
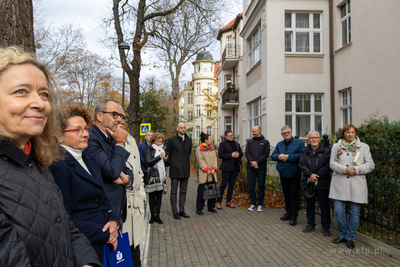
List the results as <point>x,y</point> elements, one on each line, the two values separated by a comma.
<point>206,159</point>
<point>136,198</point>
<point>350,188</point>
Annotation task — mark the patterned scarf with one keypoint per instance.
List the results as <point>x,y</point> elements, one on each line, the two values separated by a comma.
<point>206,146</point>
<point>351,147</point>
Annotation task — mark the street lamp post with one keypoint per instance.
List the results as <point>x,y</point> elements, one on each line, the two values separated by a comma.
<point>124,47</point>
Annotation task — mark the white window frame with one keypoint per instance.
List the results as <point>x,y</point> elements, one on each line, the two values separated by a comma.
<point>205,67</point>
<point>310,30</point>
<point>312,113</point>
<point>346,19</point>
<point>346,101</point>
<point>190,98</point>
<point>254,114</point>
<point>229,46</point>
<point>197,132</point>
<point>254,47</point>
<point>198,67</point>
<point>190,115</point>
<point>209,88</point>
<point>209,112</point>
<point>212,67</point>
<point>228,123</point>
<point>209,130</point>
<point>198,110</point>
<point>198,88</point>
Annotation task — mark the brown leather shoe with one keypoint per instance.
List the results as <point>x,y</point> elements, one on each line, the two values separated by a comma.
<point>230,205</point>
<point>218,205</point>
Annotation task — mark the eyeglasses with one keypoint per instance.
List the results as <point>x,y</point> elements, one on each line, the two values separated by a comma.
<point>80,131</point>
<point>115,114</point>
<point>230,135</point>
<point>284,133</point>
<point>313,138</point>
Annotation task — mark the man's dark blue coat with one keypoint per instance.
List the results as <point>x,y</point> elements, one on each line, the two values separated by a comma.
<point>112,160</point>
<point>84,198</point>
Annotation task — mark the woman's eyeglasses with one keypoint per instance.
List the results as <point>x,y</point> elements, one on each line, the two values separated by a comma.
<point>115,114</point>
<point>80,131</point>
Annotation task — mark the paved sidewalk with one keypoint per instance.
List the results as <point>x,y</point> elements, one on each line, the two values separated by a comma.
<point>236,237</point>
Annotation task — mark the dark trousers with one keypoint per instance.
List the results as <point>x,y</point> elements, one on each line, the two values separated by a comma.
<point>323,200</point>
<point>136,256</point>
<point>200,201</point>
<point>228,178</point>
<point>252,175</point>
<point>290,189</point>
<point>182,193</point>
<point>155,199</point>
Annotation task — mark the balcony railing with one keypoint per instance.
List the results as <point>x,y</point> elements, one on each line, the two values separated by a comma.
<point>231,51</point>
<point>230,97</point>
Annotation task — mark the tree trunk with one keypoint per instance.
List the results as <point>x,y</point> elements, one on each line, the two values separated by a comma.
<point>175,98</point>
<point>16,24</point>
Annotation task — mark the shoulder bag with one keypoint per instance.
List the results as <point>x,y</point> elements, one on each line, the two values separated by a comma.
<point>211,189</point>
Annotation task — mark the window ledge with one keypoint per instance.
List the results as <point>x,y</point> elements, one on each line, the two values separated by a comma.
<point>254,67</point>
<point>304,55</point>
<point>346,45</point>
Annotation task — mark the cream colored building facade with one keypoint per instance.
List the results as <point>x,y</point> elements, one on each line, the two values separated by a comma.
<point>204,77</point>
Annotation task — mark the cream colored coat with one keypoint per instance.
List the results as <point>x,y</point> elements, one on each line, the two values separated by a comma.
<point>136,198</point>
<point>206,160</point>
<point>350,188</point>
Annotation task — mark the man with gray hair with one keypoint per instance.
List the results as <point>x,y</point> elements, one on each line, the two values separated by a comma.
<point>314,163</point>
<point>106,144</point>
<point>287,152</point>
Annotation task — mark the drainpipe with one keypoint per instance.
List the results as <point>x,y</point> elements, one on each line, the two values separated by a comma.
<point>331,66</point>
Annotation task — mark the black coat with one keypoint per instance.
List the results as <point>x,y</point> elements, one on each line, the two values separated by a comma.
<point>112,160</point>
<point>151,161</point>
<point>225,151</point>
<point>35,229</point>
<point>85,198</point>
<point>179,156</point>
<point>257,149</point>
<point>317,163</point>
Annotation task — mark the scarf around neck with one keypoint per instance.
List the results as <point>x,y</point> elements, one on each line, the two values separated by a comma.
<point>160,164</point>
<point>351,147</point>
<point>206,146</point>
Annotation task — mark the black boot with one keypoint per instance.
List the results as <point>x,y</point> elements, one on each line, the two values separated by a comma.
<point>157,219</point>
<point>152,219</point>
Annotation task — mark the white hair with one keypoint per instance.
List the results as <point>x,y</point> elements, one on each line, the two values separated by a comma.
<point>313,132</point>
<point>284,127</point>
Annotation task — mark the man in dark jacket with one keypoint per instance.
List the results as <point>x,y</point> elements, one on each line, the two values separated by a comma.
<point>179,148</point>
<point>231,154</point>
<point>257,152</point>
<point>107,145</point>
<point>314,163</point>
<point>142,151</point>
<point>287,153</point>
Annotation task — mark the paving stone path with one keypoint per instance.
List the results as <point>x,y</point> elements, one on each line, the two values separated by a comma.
<point>237,237</point>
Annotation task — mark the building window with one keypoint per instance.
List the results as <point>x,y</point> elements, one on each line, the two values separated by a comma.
<point>254,48</point>
<point>228,80</point>
<point>305,113</point>
<point>212,67</point>
<point>345,21</point>
<point>205,67</point>
<point>190,134</point>
<point>190,98</point>
<point>254,113</point>
<point>198,88</point>
<point>209,88</point>
<point>190,115</point>
<point>209,112</point>
<point>198,110</point>
<point>198,67</point>
<point>229,46</point>
<point>228,123</point>
<point>346,102</point>
<point>197,132</point>
<point>209,130</point>
<point>303,32</point>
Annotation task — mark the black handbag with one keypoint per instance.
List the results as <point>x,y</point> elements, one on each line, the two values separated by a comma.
<point>211,189</point>
<point>146,176</point>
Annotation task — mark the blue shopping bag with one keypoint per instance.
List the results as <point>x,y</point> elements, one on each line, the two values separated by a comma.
<point>121,257</point>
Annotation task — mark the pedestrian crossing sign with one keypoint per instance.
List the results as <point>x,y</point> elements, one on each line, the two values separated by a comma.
<point>144,128</point>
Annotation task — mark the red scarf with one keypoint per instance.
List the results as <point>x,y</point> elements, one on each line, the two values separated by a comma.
<point>27,147</point>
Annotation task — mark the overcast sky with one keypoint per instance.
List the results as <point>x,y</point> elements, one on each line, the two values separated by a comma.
<point>88,14</point>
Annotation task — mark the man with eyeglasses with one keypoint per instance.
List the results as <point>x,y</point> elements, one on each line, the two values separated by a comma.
<point>231,154</point>
<point>107,145</point>
<point>287,152</point>
<point>314,163</point>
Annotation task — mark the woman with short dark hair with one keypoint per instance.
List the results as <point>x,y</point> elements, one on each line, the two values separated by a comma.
<point>79,178</point>
<point>207,162</point>
<point>349,183</point>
